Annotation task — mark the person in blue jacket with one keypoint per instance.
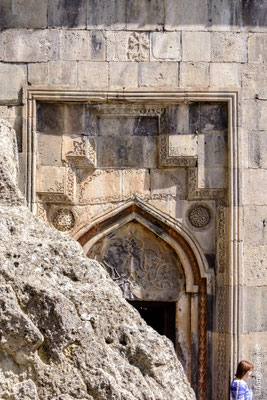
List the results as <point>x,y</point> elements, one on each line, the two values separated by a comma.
<point>239,386</point>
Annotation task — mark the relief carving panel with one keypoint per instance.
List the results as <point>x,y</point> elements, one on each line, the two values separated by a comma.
<point>141,263</point>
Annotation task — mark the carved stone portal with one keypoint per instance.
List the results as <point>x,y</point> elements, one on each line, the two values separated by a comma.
<point>142,264</point>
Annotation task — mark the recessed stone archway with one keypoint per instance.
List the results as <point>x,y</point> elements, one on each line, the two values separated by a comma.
<point>128,235</point>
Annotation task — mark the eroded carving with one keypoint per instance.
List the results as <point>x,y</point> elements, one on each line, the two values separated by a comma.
<point>141,264</point>
<point>138,46</point>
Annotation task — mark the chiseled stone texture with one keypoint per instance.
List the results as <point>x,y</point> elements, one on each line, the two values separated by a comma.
<point>62,73</point>
<point>257,149</point>
<point>254,321</point>
<point>123,74</point>
<point>23,14</point>
<point>166,46</point>
<point>76,333</point>
<point>256,218</point>
<point>12,78</point>
<point>158,74</point>
<point>82,45</point>
<point>67,14</point>
<point>229,47</point>
<point>254,191</point>
<point>255,265</point>
<point>254,82</point>
<point>257,45</point>
<point>38,73</point>
<point>196,46</point>
<point>30,45</point>
<point>185,15</point>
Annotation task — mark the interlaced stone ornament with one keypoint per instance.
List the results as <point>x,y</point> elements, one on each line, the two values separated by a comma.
<point>63,220</point>
<point>199,216</point>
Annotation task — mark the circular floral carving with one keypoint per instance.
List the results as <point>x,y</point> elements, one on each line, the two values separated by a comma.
<point>199,216</point>
<point>63,220</point>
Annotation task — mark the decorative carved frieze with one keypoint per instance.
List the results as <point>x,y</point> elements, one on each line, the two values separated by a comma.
<point>196,193</point>
<point>166,159</point>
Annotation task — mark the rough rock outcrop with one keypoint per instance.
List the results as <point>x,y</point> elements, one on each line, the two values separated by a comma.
<point>65,330</point>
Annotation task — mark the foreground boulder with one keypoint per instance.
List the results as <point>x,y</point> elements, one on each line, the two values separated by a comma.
<point>66,331</point>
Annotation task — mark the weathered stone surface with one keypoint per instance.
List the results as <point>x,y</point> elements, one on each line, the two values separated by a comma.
<point>50,117</point>
<point>67,320</point>
<point>225,14</point>
<point>254,83</point>
<point>195,74</point>
<point>254,321</point>
<point>92,74</point>
<point>224,75</point>
<point>166,46</point>
<point>229,47</point>
<point>102,14</point>
<point>158,74</point>
<point>170,184</point>
<point>23,14</point>
<point>145,14</point>
<point>257,149</point>
<point>255,218</point>
<point>117,45</point>
<point>123,74</point>
<point>254,14</point>
<point>257,44</point>
<point>196,46</point>
<point>255,265</point>
<point>253,190</point>
<point>183,145</point>
<point>38,74</point>
<point>82,45</point>
<point>30,45</point>
<point>183,14</point>
<point>62,73</point>
<point>12,78</point>
<point>67,13</point>
<point>205,117</point>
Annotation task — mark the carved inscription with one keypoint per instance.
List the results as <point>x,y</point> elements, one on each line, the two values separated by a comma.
<point>142,264</point>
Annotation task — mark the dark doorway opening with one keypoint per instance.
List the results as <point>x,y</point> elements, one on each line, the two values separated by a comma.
<point>159,315</point>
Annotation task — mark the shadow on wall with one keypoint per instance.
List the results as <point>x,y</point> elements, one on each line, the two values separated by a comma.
<point>132,14</point>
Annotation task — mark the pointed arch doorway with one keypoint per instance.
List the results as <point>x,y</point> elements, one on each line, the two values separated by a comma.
<point>162,272</point>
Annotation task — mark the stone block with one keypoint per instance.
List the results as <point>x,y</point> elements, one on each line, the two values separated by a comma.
<point>126,152</point>
<point>158,74</point>
<point>185,15</point>
<point>62,73</point>
<point>92,74</point>
<point>254,321</point>
<point>13,114</point>
<point>225,75</point>
<point>167,205</point>
<point>254,83</point>
<point>250,114</point>
<point>67,14</point>
<point>257,149</point>
<point>145,15</point>
<point>255,217</point>
<point>38,74</point>
<point>1,45</point>
<point>229,47</point>
<point>257,48</point>
<point>104,14</point>
<point>254,15</point>
<point>262,105</point>
<point>196,46</point>
<point>117,45</point>
<point>100,186</point>
<point>183,145</point>
<point>225,15</point>
<point>50,118</point>
<point>135,182</point>
<point>211,177</point>
<point>12,78</point>
<point>194,74</point>
<point>206,117</point>
<point>51,179</point>
<point>30,45</point>
<point>178,119</point>
<point>75,118</point>
<point>118,127</point>
<point>49,149</point>
<point>255,265</point>
<point>123,74</point>
<point>23,14</point>
<point>212,150</point>
<point>167,184</point>
<point>166,46</point>
<point>126,46</point>
<point>254,191</point>
<point>82,45</point>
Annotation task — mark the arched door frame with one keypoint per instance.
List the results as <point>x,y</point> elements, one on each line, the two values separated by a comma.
<point>199,279</point>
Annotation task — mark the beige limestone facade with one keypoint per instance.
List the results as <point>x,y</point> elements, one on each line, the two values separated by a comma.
<point>141,128</point>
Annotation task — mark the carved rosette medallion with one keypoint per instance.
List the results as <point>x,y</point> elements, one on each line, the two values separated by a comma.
<point>63,220</point>
<point>199,216</point>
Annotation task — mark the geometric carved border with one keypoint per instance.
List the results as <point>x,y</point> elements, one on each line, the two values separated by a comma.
<point>159,98</point>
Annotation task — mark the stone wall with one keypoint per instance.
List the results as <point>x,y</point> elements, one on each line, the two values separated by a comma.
<point>159,45</point>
